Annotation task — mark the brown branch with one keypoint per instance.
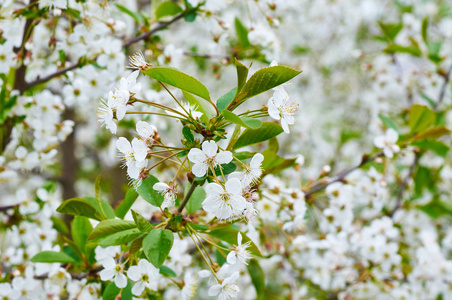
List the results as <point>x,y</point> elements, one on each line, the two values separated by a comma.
<point>187,197</point>
<point>443,87</point>
<point>404,184</point>
<point>340,176</point>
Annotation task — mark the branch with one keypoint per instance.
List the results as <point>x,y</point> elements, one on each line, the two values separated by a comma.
<point>124,45</point>
<point>404,184</point>
<point>443,88</point>
<point>341,175</point>
<point>187,197</point>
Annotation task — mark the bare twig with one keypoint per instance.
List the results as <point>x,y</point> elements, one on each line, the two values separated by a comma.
<point>187,197</point>
<point>341,175</point>
<point>443,88</point>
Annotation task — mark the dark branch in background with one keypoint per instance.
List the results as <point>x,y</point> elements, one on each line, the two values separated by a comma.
<point>124,45</point>
<point>443,87</point>
<point>187,197</point>
<point>341,175</point>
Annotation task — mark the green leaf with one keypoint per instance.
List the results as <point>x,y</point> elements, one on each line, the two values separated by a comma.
<point>413,49</point>
<point>225,168</point>
<point>257,277</point>
<point>242,74</point>
<point>157,245</point>
<point>196,199</point>
<point>179,79</point>
<point>436,209</point>
<point>274,163</point>
<point>199,227</point>
<point>111,291</point>
<point>424,30</point>
<point>242,33</point>
<point>226,99</point>
<point>126,204</point>
<point>420,117</point>
<point>388,122</point>
<point>142,224</point>
<point>107,209</point>
<point>390,30</point>
<point>135,246</point>
<point>167,8</point>
<point>434,49</point>
<point>190,16</point>
<point>200,106</point>
<point>114,232</point>
<point>136,16</point>
<point>79,207</point>
<point>188,135</point>
<point>246,122</point>
<point>267,131</point>
<point>52,257</point>
<point>147,192</point>
<point>432,133</point>
<point>438,147</point>
<point>266,79</point>
<point>59,225</point>
<point>81,229</point>
<point>229,235</point>
<point>165,271</point>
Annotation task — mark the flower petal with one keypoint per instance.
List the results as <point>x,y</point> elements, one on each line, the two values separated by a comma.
<point>199,169</point>
<point>224,157</point>
<point>233,186</point>
<point>210,148</point>
<point>196,155</point>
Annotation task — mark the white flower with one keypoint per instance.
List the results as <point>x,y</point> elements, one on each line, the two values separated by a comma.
<point>254,172</point>
<point>117,102</point>
<point>190,285</point>
<point>130,84</point>
<point>106,253</point>
<point>168,192</point>
<point>207,157</point>
<point>239,254</point>
<point>388,143</point>
<point>105,115</point>
<point>282,107</point>
<point>146,131</point>
<point>59,277</point>
<point>227,289</point>
<point>113,271</point>
<point>225,204</point>
<point>138,62</point>
<point>134,155</point>
<point>145,275</point>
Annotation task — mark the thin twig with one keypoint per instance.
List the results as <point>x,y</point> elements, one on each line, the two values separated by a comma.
<point>443,88</point>
<point>187,197</point>
<point>341,175</point>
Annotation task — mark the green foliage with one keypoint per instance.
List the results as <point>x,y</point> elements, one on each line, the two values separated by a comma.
<point>420,118</point>
<point>246,122</point>
<point>178,79</point>
<point>114,232</point>
<point>229,235</point>
<point>437,208</point>
<point>126,204</point>
<point>226,99</point>
<point>438,147</point>
<point>390,30</point>
<point>257,277</point>
<point>142,224</point>
<point>157,245</point>
<point>53,257</point>
<point>274,163</point>
<point>79,207</point>
<point>166,9</point>
<point>196,199</point>
<point>242,33</point>
<point>388,122</point>
<point>136,16</point>
<point>267,131</point>
<point>242,75</point>
<point>201,106</point>
<point>81,229</point>
<point>147,192</point>
<point>112,292</point>
<point>165,271</point>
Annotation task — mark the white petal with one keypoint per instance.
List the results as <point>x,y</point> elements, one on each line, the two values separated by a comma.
<point>196,155</point>
<point>285,126</point>
<point>106,274</point>
<point>161,187</point>
<point>392,136</point>
<point>134,273</point>
<point>121,112</point>
<point>233,186</point>
<point>133,171</point>
<point>239,239</point>
<point>224,157</point>
<point>213,189</point>
<point>388,152</point>
<point>210,148</point>
<point>215,290</point>
<point>199,169</point>
<point>138,288</point>
<point>112,126</point>
<point>256,161</point>
<point>123,145</point>
<point>132,78</point>
<point>145,130</point>
<point>121,281</point>
<point>140,149</point>
<point>232,258</point>
<point>379,141</point>
<point>273,110</point>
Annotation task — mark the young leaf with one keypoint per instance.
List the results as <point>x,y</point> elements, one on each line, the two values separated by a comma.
<point>79,207</point>
<point>242,33</point>
<point>388,122</point>
<point>106,208</point>
<point>52,257</point>
<point>114,232</point>
<point>143,225</point>
<point>165,271</point>
<point>267,131</point>
<point>59,225</point>
<point>242,74</point>
<point>157,245</point>
<point>179,79</point>
<point>390,30</point>
<point>196,199</point>
<point>229,235</point>
<point>188,135</point>
<point>246,122</point>
<point>81,229</point>
<point>200,106</point>
<point>226,99</point>
<point>266,79</point>
<point>167,8</point>
<point>136,16</point>
<point>257,277</point>
<point>111,292</point>
<point>420,118</point>
<point>438,147</point>
<point>147,192</point>
<point>126,204</point>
